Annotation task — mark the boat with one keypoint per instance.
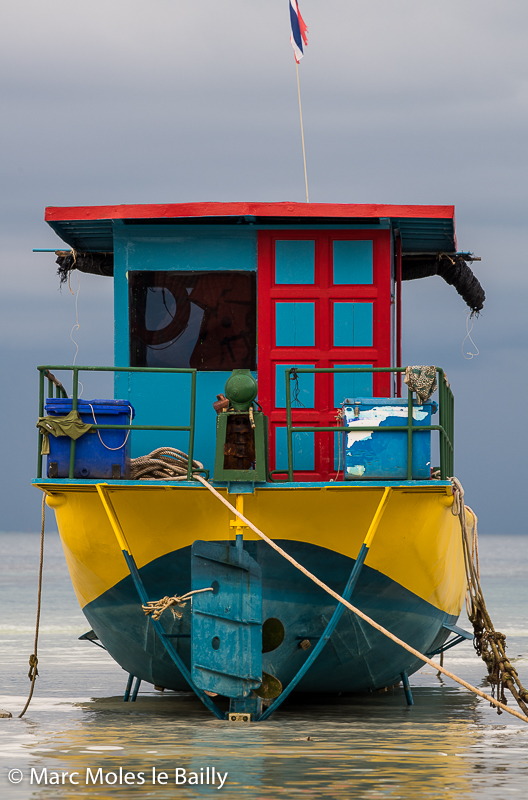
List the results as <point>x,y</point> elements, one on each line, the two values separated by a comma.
<point>258,352</point>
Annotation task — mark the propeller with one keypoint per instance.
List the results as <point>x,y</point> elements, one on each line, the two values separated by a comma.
<point>270,688</point>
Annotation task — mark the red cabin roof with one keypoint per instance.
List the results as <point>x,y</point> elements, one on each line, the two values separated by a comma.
<point>422,228</point>
<point>282,209</point>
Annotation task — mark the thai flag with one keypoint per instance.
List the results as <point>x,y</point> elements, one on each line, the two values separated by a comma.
<point>298,30</point>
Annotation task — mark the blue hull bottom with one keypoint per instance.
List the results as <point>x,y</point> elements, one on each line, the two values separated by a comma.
<point>357,657</point>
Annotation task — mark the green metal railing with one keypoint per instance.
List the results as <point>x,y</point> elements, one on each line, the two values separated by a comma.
<point>45,374</point>
<point>445,427</point>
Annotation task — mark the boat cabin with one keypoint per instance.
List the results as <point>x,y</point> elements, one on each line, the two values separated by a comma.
<point>264,287</point>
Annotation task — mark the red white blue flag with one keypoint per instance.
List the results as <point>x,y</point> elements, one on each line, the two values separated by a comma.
<point>298,30</point>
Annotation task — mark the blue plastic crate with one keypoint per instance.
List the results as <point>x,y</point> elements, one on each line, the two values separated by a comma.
<point>375,455</point>
<point>92,458</point>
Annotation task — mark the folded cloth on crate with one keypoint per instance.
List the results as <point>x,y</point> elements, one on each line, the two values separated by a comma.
<point>71,425</point>
<point>421,380</point>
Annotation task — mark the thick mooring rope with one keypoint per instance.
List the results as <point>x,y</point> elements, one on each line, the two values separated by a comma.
<point>164,463</point>
<point>380,628</point>
<point>33,660</point>
<point>489,643</point>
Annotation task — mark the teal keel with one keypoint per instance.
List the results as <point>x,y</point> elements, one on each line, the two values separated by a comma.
<point>356,658</point>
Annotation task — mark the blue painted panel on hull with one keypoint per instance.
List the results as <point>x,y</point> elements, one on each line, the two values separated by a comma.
<point>226,628</point>
<point>357,657</point>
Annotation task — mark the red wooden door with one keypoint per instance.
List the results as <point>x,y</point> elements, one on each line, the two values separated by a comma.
<point>324,300</point>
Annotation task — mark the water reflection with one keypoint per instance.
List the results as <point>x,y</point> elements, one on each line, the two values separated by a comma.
<point>449,745</point>
<point>355,747</point>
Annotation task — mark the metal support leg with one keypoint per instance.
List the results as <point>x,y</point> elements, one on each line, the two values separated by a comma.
<point>336,616</point>
<point>128,688</point>
<point>407,689</point>
<point>135,690</point>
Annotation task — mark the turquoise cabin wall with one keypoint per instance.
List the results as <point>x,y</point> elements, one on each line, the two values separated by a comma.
<point>165,399</point>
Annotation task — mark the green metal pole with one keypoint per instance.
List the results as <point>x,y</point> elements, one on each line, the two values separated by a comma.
<point>41,414</point>
<point>289,435</point>
<point>409,433</point>
<point>74,408</point>
<point>452,432</point>
<point>191,425</point>
<point>442,416</point>
<point>50,388</point>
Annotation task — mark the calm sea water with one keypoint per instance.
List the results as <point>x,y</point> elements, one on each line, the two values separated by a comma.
<point>448,745</point>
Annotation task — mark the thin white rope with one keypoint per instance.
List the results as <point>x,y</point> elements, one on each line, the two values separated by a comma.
<point>469,355</point>
<point>302,131</point>
<point>99,432</point>
<point>77,325</point>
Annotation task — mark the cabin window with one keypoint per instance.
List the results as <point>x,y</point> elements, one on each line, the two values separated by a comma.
<point>204,320</point>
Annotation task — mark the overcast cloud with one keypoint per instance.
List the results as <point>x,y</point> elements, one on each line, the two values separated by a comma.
<point>173,101</point>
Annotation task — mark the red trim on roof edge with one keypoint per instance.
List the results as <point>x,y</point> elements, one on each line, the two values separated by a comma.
<point>179,210</point>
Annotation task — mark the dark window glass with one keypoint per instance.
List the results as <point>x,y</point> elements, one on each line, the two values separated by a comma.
<point>205,320</point>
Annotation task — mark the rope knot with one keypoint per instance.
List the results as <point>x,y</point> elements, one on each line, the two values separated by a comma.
<point>33,671</point>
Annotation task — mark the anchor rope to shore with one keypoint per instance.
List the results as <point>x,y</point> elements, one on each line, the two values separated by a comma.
<point>164,463</point>
<point>33,659</point>
<point>489,644</point>
<point>157,607</point>
<point>336,596</point>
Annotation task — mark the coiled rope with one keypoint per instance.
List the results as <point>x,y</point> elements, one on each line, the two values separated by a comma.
<point>164,463</point>
<point>380,628</point>
<point>157,607</point>
<point>489,644</point>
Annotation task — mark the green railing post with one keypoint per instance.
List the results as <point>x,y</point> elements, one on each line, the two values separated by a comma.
<point>289,434</point>
<point>442,418</point>
<point>50,388</point>
<point>74,408</point>
<point>191,425</point>
<point>409,433</point>
<point>452,432</point>
<point>41,414</point>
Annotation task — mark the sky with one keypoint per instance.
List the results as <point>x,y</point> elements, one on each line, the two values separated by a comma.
<point>177,100</point>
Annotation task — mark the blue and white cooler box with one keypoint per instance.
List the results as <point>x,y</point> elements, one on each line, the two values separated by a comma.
<point>98,454</point>
<point>375,455</point>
